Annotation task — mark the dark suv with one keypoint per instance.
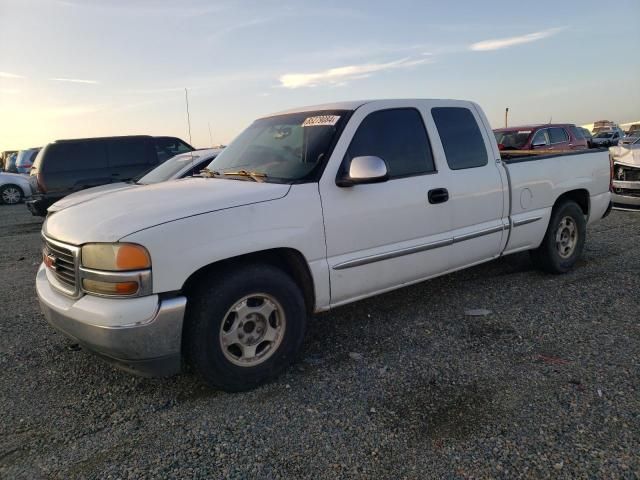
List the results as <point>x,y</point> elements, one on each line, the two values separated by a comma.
<point>66,166</point>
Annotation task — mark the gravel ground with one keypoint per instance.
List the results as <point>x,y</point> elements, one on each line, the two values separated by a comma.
<point>400,386</point>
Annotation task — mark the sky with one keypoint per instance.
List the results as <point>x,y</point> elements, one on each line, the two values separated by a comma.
<point>82,68</point>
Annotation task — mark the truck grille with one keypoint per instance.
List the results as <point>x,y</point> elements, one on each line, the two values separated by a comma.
<point>61,261</point>
<point>625,173</point>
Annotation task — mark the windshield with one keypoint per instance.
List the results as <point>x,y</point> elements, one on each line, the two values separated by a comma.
<point>604,135</point>
<point>166,171</point>
<point>285,148</point>
<point>512,139</point>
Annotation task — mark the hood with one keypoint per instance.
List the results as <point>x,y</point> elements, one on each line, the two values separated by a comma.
<point>115,214</point>
<point>626,155</point>
<point>88,194</point>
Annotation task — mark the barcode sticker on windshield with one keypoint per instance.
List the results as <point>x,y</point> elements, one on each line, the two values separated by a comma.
<point>321,120</point>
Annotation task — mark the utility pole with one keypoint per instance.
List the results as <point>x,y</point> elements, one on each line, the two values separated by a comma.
<point>210,136</point>
<point>506,117</point>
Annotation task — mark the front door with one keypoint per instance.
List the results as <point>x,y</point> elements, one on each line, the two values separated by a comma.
<point>380,236</point>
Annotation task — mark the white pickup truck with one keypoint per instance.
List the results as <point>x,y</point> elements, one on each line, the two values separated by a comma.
<point>306,210</point>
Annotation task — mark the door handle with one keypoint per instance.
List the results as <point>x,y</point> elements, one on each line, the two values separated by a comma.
<point>438,195</point>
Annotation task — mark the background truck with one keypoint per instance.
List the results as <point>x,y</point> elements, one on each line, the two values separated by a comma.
<point>306,210</point>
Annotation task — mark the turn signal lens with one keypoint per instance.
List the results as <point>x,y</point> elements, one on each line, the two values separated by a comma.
<point>116,257</point>
<point>108,288</point>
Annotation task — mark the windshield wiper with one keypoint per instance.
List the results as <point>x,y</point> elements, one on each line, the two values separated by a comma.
<point>255,176</point>
<point>205,172</point>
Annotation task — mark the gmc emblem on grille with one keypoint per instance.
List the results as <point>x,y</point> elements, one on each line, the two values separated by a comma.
<point>49,260</point>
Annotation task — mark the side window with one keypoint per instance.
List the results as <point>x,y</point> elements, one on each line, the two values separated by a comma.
<point>461,137</point>
<point>540,138</point>
<point>558,135</point>
<point>167,147</point>
<point>398,136</point>
<point>125,152</point>
<point>577,133</point>
<point>66,157</point>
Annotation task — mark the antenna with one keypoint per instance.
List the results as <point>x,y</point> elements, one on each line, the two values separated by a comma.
<point>506,117</point>
<point>210,136</point>
<point>186,99</point>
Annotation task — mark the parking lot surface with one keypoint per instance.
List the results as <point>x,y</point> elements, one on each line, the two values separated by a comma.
<point>405,385</point>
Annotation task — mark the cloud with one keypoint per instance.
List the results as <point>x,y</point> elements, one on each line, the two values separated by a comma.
<point>75,80</point>
<point>10,75</point>
<point>9,91</point>
<point>499,43</point>
<point>341,75</point>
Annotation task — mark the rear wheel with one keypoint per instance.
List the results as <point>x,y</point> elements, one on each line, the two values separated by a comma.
<point>11,194</point>
<point>245,327</point>
<point>564,240</point>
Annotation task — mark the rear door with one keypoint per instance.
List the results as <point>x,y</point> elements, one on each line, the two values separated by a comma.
<point>478,189</point>
<point>383,235</point>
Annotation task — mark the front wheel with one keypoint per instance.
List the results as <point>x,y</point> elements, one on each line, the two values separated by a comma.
<point>564,240</point>
<point>10,194</point>
<point>244,327</point>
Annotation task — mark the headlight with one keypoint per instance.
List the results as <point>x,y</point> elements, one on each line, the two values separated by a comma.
<point>115,257</point>
<point>115,270</point>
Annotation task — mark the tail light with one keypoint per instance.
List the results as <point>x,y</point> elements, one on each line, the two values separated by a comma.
<point>41,186</point>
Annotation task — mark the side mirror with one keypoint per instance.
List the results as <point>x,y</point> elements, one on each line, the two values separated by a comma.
<point>363,170</point>
<point>538,144</point>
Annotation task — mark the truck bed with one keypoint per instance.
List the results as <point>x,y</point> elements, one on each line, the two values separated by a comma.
<point>536,181</point>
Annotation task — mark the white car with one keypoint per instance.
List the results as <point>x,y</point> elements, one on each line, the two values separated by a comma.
<point>626,176</point>
<point>304,211</point>
<point>180,166</point>
<point>14,188</point>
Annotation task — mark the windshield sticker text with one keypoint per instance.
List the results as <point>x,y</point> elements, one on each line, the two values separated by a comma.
<point>321,120</point>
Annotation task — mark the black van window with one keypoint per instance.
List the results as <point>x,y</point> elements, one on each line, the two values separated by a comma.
<point>461,137</point>
<point>66,157</point>
<point>129,151</point>
<point>167,147</point>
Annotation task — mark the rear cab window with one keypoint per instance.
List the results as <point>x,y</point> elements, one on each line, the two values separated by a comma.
<point>398,136</point>
<point>461,137</point>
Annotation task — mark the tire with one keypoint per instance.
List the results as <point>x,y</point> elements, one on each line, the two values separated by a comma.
<point>245,327</point>
<point>564,240</point>
<point>11,194</point>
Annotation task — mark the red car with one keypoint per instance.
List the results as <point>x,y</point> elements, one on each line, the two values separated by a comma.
<point>556,136</point>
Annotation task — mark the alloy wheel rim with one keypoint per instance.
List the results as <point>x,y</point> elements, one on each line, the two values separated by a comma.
<point>10,195</point>
<point>566,237</point>
<point>252,330</point>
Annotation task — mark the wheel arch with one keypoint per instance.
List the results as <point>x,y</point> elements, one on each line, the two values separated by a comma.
<point>580,196</point>
<point>290,260</point>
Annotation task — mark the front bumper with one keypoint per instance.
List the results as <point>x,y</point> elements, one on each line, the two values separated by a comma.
<point>626,195</point>
<point>141,335</point>
<point>38,205</point>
